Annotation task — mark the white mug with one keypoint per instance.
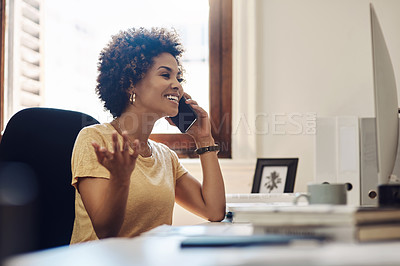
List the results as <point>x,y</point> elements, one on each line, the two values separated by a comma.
<point>325,194</point>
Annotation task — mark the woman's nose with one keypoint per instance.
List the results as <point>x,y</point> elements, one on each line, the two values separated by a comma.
<point>176,85</point>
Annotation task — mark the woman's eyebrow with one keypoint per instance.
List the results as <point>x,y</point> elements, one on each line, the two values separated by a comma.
<point>167,68</point>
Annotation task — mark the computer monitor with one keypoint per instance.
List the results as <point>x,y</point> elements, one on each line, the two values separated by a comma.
<point>386,111</point>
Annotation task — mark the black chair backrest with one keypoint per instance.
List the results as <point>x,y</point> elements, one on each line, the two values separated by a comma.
<point>43,138</point>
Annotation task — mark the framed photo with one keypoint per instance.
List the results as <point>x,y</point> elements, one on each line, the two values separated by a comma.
<point>275,175</point>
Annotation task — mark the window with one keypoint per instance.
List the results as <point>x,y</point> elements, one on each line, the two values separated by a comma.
<point>220,38</point>
<point>23,58</point>
<point>220,76</point>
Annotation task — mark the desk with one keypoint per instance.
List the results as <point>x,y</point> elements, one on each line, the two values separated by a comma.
<point>162,247</point>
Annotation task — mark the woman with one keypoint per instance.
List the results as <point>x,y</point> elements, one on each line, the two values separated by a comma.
<point>127,184</point>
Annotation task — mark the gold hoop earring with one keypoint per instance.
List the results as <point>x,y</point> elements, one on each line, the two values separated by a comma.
<point>132,98</point>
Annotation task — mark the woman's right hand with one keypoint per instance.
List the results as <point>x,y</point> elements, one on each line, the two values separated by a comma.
<point>119,162</point>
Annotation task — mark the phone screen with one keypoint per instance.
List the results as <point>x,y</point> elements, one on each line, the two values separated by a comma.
<point>186,116</point>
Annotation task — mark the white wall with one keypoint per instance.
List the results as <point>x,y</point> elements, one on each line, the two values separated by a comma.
<point>313,56</point>
<point>294,57</point>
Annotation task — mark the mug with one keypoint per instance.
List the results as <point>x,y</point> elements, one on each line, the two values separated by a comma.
<point>325,194</point>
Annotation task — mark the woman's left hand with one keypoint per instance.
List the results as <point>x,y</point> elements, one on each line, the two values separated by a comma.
<point>201,129</point>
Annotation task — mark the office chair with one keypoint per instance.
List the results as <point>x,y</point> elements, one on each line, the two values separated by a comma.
<point>36,149</point>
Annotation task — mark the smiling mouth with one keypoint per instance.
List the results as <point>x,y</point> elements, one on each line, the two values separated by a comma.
<point>172,98</point>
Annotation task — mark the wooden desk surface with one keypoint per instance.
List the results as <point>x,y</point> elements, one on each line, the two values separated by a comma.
<point>162,247</point>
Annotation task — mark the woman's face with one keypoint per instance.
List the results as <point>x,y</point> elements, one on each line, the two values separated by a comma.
<point>159,91</point>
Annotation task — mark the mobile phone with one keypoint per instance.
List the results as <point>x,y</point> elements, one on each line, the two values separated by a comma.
<point>186,116</point>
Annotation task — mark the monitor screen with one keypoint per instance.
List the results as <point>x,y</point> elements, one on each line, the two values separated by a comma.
<point>386,106</point>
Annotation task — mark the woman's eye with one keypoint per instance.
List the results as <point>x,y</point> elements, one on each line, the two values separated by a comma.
<point>166,75</point>
<point>179,79</point>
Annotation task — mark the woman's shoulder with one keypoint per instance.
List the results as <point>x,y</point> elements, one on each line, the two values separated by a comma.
<point>97,128</point>
<point>96,131</point>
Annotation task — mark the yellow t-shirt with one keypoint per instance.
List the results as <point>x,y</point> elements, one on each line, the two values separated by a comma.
<point>152,189</point>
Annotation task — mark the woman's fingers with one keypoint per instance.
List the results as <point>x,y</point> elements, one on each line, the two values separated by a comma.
<point>136,147</point>
<point>125,142</point>
<point>101,153</point>
<point>191,102</point>
<point>200,111</point>
<point>115,143</point>
<point>194,104</point>
<point>169,120</point>
<point>95,146</point>
<point>106,153</point>
<point>187,96</point>
<point>118,158</point>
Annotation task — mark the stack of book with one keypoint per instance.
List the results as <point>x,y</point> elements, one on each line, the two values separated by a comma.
<point>336,222</point>
<point>260,197</point>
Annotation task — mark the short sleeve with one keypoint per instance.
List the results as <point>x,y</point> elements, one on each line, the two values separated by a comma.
<point>179,169</point>
<point>84,160</point>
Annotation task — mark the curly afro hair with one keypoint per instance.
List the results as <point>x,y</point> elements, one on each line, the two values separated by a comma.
<point>127,58</point>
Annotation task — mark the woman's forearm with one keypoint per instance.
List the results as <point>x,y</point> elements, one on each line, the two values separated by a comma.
<point>213,189</point>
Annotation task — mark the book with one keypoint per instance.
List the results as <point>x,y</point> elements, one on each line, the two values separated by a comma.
<point>203,229</point>
<point>260,197</point>
<point>314,215</point>
<point>355,233</point>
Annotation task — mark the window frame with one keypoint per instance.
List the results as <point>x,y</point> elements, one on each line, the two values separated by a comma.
<point>2,53</point>
<point>220,61</point>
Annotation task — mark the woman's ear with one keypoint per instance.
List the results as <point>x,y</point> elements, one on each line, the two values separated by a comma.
<point>131,86</point>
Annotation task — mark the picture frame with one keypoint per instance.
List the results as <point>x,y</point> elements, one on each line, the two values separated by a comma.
<point>275,175</point>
